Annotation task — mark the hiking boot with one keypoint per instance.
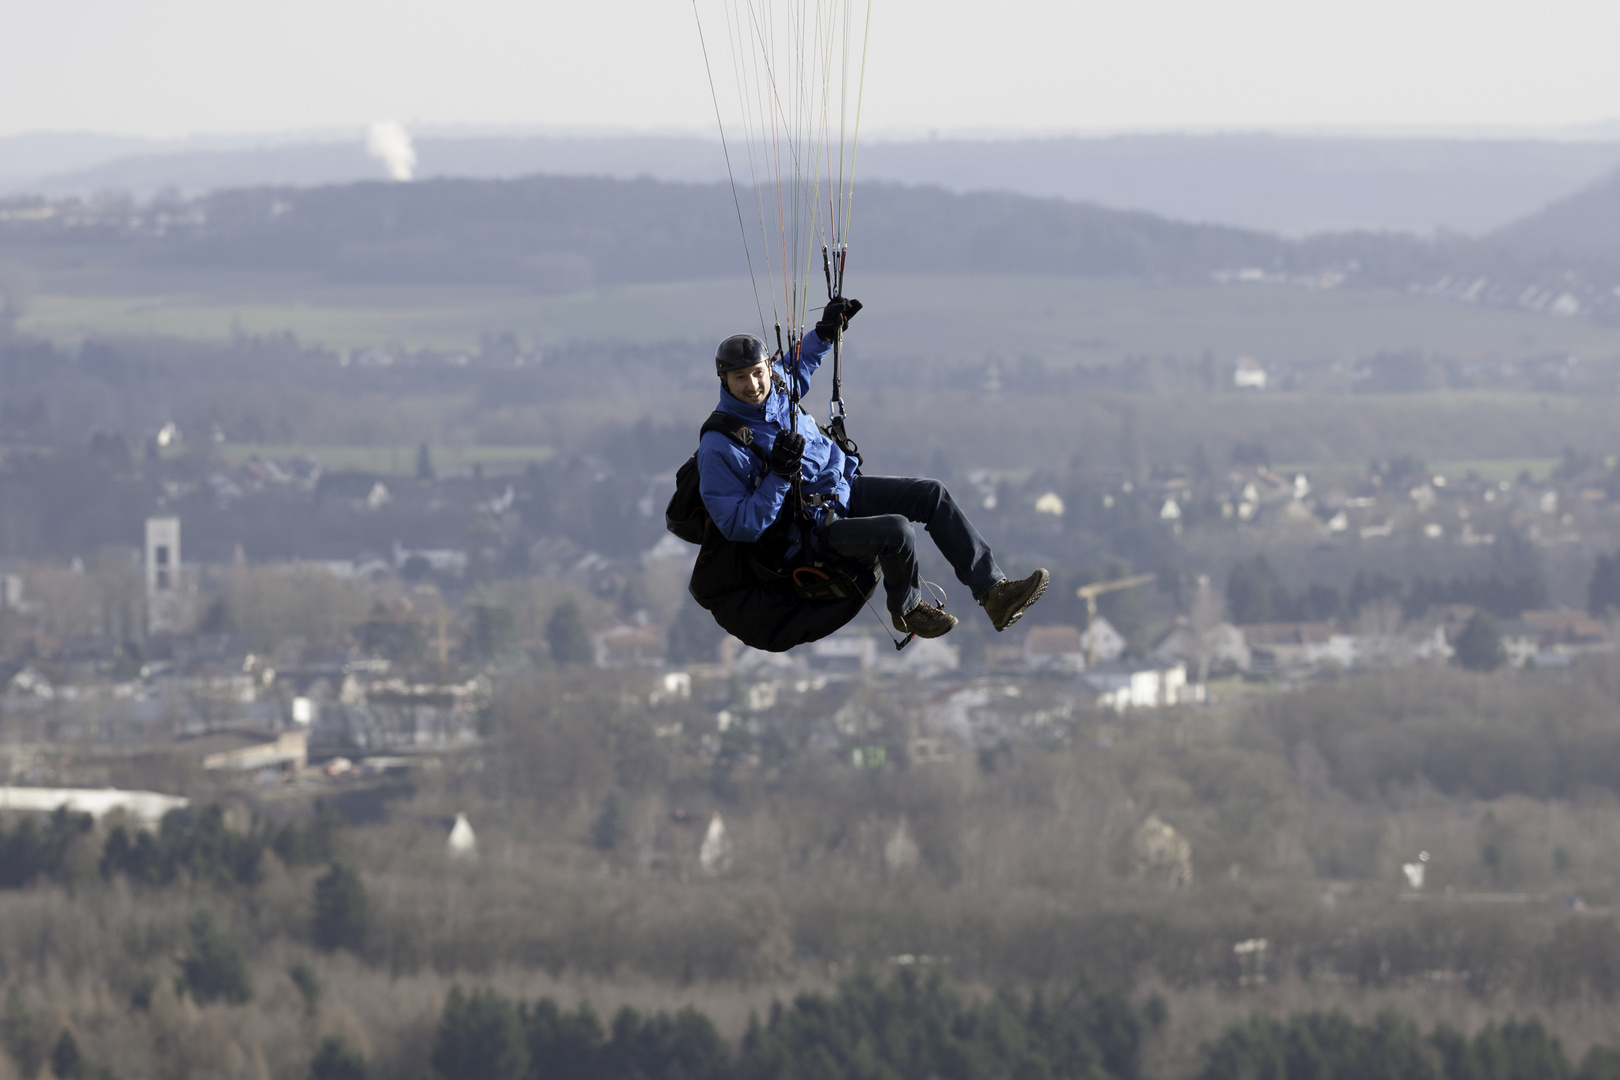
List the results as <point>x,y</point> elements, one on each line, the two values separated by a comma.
<point>925,620</point>
<point>1007,600</point>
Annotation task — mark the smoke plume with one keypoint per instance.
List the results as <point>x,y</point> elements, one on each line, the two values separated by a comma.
<point>390,143</point>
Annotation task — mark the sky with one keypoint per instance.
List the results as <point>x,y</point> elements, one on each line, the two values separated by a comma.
<point>172,68</point>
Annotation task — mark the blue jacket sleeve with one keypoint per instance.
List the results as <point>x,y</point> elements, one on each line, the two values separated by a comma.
<point>811,353</point>
<point>725,480</point>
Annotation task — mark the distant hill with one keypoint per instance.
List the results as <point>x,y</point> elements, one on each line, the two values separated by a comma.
<point>560,233</point>
<point>24,159</point>
<point>144,171</point>
<point>566,232</point>
<point>1585,225</point>
<point>1288,184</point>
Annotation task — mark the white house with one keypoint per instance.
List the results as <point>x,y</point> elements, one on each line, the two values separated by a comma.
<point>1249,375</point>
<point>1145,687</point>
<point>1110,642</point>
<point>1224,646</point>
<point>1281,646</point>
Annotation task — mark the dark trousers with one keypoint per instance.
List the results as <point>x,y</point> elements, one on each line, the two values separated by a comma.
<point>881,510</point>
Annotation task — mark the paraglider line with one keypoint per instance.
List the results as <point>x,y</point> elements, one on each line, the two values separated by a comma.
<point>737,202</point>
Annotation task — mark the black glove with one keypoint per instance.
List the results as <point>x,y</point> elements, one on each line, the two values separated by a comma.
<point>835,317</point>
<point>787,454</point>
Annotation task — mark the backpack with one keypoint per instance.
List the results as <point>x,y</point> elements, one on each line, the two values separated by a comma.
<point>686,516</point>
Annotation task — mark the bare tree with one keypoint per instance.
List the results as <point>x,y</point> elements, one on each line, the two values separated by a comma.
<point>1206,612</point>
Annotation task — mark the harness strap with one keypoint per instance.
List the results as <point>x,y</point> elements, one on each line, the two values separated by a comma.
<point>799,504</point>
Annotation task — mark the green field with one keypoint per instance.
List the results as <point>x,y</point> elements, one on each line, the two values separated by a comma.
<point>949,317</point>
<point>1539,469</point>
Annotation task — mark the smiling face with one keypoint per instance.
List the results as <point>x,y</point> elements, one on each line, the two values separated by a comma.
<point>751,384</point>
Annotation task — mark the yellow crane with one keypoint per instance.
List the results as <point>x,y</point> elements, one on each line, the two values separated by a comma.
<point>1089,594</point>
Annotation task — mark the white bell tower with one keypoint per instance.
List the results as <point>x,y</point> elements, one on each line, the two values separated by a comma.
<point>163,600</point>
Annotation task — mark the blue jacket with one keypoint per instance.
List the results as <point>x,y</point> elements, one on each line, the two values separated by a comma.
<point>740,492</point>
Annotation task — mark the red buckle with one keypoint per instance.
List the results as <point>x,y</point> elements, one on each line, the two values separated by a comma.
<point>807,569</point>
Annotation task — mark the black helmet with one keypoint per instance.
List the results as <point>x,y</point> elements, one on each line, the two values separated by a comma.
<point>740,351</point>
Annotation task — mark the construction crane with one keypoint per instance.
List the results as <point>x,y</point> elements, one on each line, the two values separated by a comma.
<point>1089,594</point>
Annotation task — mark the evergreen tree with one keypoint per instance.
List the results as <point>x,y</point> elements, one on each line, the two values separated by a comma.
<point>196,842</point>
<point>1255,594</point>
<point>424,463</point>
<point>337,1060</point>
<point>918,1027</point>
<point>397,637</point>
<point>493,630</point>
<point>1479,646</point>
<point>564,1046</point>
<point>565,633</point>
<point>215,967</point>
<point>32,851</point>
<point>684,1045</point>
<point>1248,1048</point>
<point>1457,1060</point>
<point>140,995</point>
<point>1603,593</point>
<point>1322,602</point>
<point>217,619</point>
<point>1331,1046</point>
<point>480,1037</point>
<point>309,985</point>
<point>1519,1050</point>
<point>341,910</point>
<point>67,1060</point>
<point>1116,1031</point>
<point>312,842</point>
<point>129,663</point>
<point>1600,1063</point>
<point>1251,453</point>
<point>612,825</point>
<point>1366,589</point>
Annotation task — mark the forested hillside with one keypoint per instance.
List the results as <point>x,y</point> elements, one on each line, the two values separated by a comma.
<point>555,234</point>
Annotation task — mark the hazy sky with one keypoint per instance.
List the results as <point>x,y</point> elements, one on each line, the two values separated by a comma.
<point>175,67</point>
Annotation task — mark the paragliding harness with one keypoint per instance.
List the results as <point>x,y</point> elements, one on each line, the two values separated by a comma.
<point>758,592</point>
<point>773,593</point>
<point>810,576</point>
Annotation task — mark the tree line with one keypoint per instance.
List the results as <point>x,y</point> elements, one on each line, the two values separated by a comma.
<point>1331,1046</point>
<point>195,844</point>
<point>910,1026</point>
<point>1256,593</point>
<point>920,1026</point>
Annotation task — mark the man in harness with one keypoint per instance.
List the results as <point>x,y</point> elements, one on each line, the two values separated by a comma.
<point>747,490</point>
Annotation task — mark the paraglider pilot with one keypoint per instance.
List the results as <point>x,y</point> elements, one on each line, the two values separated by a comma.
<point>851,516</point>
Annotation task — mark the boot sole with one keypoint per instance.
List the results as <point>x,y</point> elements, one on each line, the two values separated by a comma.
<point>921,634</point>
<point>1018,612</point>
